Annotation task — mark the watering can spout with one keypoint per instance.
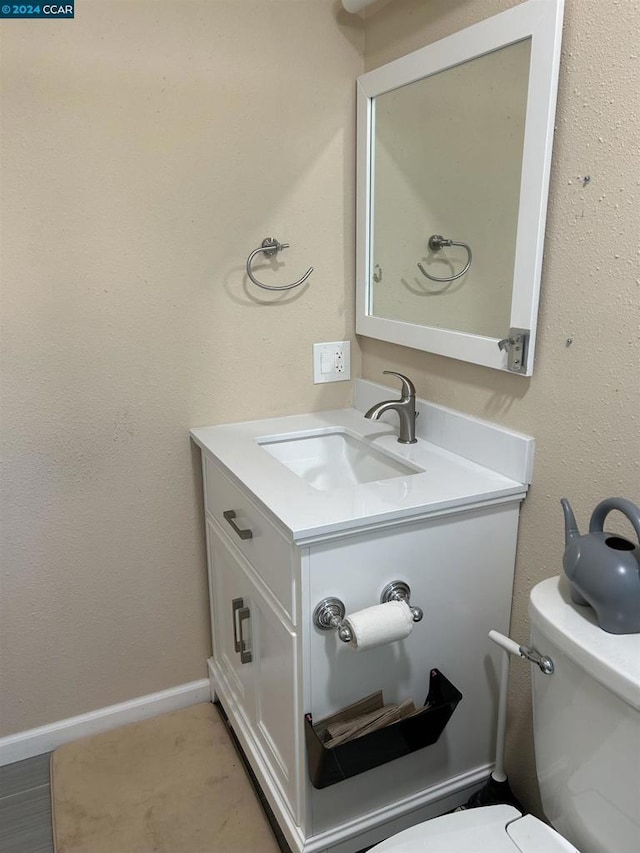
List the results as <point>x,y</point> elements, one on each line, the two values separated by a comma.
<point>571,531</point>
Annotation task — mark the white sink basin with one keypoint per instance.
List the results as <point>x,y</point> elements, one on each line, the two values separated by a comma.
<point>334,459</point>
<point>352,473</point>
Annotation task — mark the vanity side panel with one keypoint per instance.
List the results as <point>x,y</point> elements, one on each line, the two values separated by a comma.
<point>460,570</point>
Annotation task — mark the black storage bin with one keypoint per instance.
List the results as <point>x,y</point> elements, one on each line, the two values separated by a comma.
<point>328,766</point>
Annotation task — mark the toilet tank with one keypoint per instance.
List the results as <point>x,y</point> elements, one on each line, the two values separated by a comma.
<point>586,719</point>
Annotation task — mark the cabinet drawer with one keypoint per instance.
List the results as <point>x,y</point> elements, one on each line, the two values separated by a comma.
<point>266,549</point>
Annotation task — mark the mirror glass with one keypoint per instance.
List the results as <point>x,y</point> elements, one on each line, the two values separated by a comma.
<point>476,128</point>
<point>454,143</point>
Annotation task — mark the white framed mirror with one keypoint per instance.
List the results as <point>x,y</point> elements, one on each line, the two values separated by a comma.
<point>453,160</point>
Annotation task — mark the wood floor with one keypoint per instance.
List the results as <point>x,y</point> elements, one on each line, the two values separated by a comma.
<point>25,807</point>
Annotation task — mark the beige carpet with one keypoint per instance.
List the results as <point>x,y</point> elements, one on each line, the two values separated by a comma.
<point>172,784</point>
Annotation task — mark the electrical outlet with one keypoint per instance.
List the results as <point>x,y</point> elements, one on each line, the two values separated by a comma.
<point>331,362</point>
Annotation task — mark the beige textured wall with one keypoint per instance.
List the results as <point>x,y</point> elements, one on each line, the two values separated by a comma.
<point>583,402</point>
<point>147,148</point>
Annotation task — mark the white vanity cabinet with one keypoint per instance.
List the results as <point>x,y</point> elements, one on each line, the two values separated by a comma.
<point>277,547</point>
<point>271,666</point>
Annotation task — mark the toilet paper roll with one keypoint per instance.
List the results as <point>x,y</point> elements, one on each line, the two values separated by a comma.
<point>383,623</point>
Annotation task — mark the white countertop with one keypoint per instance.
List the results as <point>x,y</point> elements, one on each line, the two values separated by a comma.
<point>447,481</point>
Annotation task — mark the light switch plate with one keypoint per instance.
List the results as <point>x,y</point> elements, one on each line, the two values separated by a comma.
<point>331,362</point>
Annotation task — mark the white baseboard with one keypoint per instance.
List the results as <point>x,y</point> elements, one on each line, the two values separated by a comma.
<point>47,738</point>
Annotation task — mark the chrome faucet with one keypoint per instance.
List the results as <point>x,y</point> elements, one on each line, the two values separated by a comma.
<point>405,407</point>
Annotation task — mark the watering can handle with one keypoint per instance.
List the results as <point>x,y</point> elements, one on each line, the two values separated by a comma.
<point>604,508</point>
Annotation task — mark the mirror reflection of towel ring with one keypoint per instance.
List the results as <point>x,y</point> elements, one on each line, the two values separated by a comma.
<point>270,247</point>
<point>436,242</point>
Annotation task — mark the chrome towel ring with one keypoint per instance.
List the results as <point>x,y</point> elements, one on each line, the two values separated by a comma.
<point>270,247</point>
<point>436,242</point>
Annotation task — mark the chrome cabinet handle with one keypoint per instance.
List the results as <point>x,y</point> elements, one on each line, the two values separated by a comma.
<point>236,604</point>
<point>229,515</point>
<point>243,614</point>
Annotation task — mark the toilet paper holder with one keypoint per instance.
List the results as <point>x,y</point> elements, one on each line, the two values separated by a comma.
<point>329,614</point>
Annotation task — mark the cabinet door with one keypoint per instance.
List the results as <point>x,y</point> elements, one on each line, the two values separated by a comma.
<point>276,724</point>
<point>231,623</point>
<point>255,651</point>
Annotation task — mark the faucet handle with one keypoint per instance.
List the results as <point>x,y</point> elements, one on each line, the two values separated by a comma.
<point>408,388</point>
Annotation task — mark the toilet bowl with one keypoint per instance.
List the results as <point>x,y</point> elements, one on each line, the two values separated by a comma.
<point>587,745</point>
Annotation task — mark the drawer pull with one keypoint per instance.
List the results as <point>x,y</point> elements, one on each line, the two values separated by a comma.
<point>229,515</point>
<point>245,656</point>
<point>236,604</point>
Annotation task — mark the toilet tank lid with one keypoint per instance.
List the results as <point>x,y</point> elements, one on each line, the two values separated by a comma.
<point>612,659</point>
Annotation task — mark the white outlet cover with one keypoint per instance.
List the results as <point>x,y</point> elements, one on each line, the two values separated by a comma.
<point>331,362</point>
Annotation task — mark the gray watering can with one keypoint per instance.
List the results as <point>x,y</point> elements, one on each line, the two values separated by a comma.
<point>603,568</point>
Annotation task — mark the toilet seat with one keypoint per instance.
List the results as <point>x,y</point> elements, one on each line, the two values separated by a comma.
<point>491,829</point>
